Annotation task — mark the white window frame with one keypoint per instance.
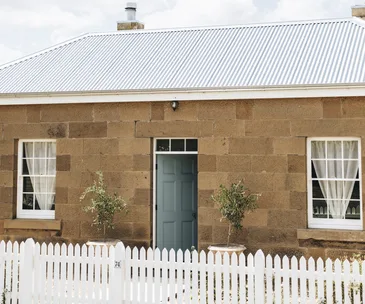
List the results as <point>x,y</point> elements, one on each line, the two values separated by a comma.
<point>29,214</point>
<point>345,224</point>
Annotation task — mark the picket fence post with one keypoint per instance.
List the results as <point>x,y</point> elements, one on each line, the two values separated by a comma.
<point>117,272</point>
<point>259,277</point>
<point>26,281</point>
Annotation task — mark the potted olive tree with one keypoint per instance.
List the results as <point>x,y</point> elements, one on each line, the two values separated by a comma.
<point>103,207</point>
<point>234,203</point>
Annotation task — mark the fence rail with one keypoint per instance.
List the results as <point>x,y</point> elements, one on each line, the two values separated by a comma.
<point>34,273</point>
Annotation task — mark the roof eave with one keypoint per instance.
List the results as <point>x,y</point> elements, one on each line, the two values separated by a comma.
<point>300,91</point>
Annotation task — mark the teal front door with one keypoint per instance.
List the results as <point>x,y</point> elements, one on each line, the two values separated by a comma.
<point>176,201</point>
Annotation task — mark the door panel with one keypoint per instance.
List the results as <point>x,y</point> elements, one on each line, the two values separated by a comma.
<point>176,200</point>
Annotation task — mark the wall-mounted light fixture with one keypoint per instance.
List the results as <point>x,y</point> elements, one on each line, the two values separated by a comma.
<point>174,104</point>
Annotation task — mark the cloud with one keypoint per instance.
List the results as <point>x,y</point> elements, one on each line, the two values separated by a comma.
<point>7,54</point>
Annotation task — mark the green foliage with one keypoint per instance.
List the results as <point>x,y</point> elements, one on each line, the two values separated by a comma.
<point>103,205</point>
<point>234,202</point>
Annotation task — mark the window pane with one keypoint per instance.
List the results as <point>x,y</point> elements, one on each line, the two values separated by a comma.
<point>334,168</point>
<point>51,167</point>
<point>51,149</point>
<point>40,149</point>
<point>27,185</point>
<point>40,166</point>
<point>356,191</point>
<point>319,167</point>
<point>350,168</point>
<point>36,207</point>
<point>28,201</point>
<point>163,145</point>
<point>316,189</point>
<point>350,150</point>
<point>191,145</point>
<point>334,149</point>
<point>177,145</point>
<point>320,209</point>
<point>353,211</point>
<point>25,166</point>
<point>318,149</point>
<point>28,149</point>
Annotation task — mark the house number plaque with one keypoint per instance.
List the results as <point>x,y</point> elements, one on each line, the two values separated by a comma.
<point>117,264</point>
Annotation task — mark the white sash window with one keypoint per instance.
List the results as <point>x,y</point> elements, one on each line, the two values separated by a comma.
<point>36,179</point>
<point>334,183</point>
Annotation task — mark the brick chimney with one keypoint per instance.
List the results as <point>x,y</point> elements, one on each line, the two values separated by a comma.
<point>131,23</point>
<point>358,11</point>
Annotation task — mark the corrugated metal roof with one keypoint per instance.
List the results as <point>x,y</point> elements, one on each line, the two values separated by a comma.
<point>322,52</point>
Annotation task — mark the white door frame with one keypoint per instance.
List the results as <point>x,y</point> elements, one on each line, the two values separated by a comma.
<point>155,153</point>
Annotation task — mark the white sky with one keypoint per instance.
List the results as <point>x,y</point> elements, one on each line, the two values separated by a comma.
<point>28,26</point>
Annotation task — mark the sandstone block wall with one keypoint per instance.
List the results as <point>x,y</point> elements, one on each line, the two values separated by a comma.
<point>262,142</point>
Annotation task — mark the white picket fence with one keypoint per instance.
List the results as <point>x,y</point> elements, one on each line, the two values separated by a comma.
<point>34,273</point>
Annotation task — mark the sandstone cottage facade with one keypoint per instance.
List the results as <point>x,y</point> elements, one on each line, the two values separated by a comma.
<point>280,106</point>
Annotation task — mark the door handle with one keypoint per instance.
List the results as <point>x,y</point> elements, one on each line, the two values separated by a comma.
<point>194,215</point>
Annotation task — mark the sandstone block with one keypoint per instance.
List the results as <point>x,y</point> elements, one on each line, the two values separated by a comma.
<point>106,112</point>
<point>63,163</point>
<point>137,179</point>
<point>204,198</point>
<point>141,231</point>
<point>256,182</point>
<point>229,128</point>
<point>287,218</point>
<point>61,195</point>
<point>143,197</point>
<point>213,146</point>
<point>274,200</point>
<point>311,127</point>
<point>216,110</point>
<point>174,129</point>
<point>7,162</point>
<point>250,145</point>
<point>22,131</point>
<point>66,112</point>
<point>244,109</point>
<point>71,212</point>
<point>138,111</point>
<point>142,162</point>
<point>121,231</point>
<point>70,146</point>
<point>289,145</point>
<point>88,130</point>
<point>6,179</point>
<point>267,128</point>
<point>33,114</point>
<point>87,230</point>
<point>136,214</point>
<point>353,107</point>
<point>211,180</point>
<point>205,233</point>
<point>121,129</point>
<point>101,146</point>
<point>332,107</point>
<point>296,182</point>
<point>269,163</point>
<point>288,109</point>
<point>70,229</point>
<point>233,163</point>
<point>257,218</point>
<point>298,200</point>
<point>7,147</point>
<point>74,194</point>
<point>115,163</point>
<point>7,195</point>
<point>277,236</point>
<point>91,163</point>
<point>13,114</point>
<point>207,163</point>
<point>131,146</point>
<point>6,211</point>
<point>296,163</point>
<point>157,111</point>
<point>209,216</point>
<point>57,130</point>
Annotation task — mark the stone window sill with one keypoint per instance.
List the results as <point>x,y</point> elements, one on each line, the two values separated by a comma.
<point>21,224</point>
<point>357,236</point>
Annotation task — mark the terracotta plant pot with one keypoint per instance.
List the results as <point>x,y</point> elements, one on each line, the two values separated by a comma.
<point>222,248</point>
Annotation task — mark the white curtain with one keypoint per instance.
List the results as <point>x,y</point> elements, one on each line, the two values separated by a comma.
<point>43,164</point>
<point>336,192</point>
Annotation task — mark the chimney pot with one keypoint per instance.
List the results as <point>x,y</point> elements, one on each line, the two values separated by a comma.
<point>131,23</point>
<point>358,11</point>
